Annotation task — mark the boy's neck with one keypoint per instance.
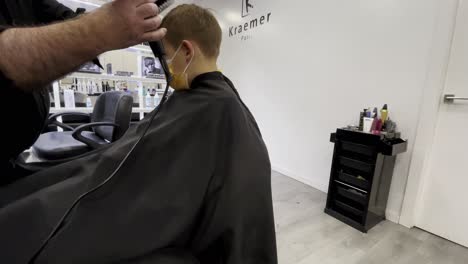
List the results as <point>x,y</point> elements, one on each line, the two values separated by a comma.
<point>202,68</point>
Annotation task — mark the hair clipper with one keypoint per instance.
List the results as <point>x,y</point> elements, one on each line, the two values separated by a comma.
<point>157,47</point>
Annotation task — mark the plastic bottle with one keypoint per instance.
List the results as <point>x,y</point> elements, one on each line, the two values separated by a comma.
<point>141,95</point>
<point>148,99</point>
<point>88,102</point>
<point>384,113</point>
<point>361,120</point>
<point>89,87</point>
<point>80,86</point>
<point>99,87</point>
<point>94,87</point>
<point>157,99</point>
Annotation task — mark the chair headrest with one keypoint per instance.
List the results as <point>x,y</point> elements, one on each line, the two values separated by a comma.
<point>115,107</point>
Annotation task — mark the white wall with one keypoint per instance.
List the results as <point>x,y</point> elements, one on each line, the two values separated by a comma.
<point>318,63</point>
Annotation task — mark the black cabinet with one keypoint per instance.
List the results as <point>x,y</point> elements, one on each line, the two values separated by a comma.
<point>361,175</point>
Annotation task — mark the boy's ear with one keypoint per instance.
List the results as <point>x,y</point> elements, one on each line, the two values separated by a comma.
<point>188,48</point>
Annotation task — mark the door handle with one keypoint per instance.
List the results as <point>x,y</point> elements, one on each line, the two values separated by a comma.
<point>450,98</point>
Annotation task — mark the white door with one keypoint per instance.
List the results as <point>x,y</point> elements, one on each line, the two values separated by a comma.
<point>444,207</point>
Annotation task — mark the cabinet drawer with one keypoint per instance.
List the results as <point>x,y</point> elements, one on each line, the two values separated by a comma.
<point>347,208</point>
<point>354,181</point>
<point>366,150</point>
<point>352,194</point>
<point>358,165</point>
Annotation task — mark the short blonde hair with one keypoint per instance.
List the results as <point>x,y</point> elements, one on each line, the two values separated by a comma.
<point>192,22</point>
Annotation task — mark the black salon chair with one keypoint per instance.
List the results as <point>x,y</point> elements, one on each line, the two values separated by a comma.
<point>109,122</point>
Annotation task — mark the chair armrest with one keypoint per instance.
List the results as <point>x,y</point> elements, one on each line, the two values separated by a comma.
<point>78,136</point>
<point>53,119</point>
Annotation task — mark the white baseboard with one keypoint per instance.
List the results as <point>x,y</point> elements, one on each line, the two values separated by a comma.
<point>304,180</point>
<point>392,216</point>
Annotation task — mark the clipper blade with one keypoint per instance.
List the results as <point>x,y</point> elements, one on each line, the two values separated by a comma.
<point>164,4</point>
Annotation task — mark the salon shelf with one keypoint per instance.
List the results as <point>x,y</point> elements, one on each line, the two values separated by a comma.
<point>115,77</point>
<point>356,164</point>
<point>393,147</point>
<point>349,208</point>
<point>352,194</point>
<point>353,180</point>
<point>358,148</point>
<point>361,176</point>
<point>369,144</point>
<point>54,110</point>
<point>344,217</point>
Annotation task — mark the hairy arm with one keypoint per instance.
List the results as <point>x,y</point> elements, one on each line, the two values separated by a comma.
<point>33,57</point>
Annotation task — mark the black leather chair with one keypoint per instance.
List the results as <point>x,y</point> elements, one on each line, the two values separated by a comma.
<point>109,122</point>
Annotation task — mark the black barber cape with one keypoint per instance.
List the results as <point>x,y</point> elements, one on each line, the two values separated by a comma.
<point>198,185</point>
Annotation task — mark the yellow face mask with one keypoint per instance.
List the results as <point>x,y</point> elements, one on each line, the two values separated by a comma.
<point>179,80</point>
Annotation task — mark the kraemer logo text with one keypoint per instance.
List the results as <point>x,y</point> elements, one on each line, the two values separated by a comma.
<point>247,6</point>
<point>249,25</point>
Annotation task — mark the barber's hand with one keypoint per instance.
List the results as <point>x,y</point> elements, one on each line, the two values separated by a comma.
<point>124,23</point>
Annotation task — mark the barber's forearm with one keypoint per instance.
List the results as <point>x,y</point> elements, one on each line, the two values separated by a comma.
<point>33,57</point>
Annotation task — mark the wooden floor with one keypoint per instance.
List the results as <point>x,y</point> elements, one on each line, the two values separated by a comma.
<point>308,236</point>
